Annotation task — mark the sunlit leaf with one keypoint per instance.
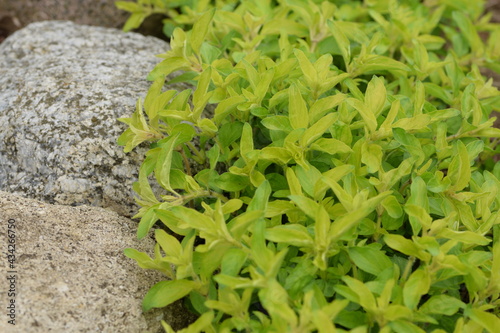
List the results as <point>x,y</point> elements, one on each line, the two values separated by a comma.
<point>166,292</point>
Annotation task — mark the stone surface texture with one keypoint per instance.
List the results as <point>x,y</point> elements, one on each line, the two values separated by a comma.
<point>16,14</point>
<point>71,273</point>
<point>62,88</point>
<point>91,12</point>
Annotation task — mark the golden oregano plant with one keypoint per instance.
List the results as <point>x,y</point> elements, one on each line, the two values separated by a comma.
<point>332,170</point>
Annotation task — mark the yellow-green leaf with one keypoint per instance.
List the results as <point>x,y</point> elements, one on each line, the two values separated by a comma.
<point>297,108</point>
<point>166,292</point>
<point>200,29</point>
<point>416,286</point>
<point>459,171</point>
<point>365,112</point>
<point>375,95</point>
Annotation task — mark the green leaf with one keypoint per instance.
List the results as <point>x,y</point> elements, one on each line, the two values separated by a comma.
<point>369,259</point>
<point>166,292</point>
<point>395,312</point>
<point>438,92</point>
<point>365,296</point>
<point>183,133</point>
<point>227,106</point>
<point>128,6</point>
<point>144,261</point>
<point>308,178</point>
<point>459,171</point>
<point>277,25</point>
<point>231,206</point>
<point>366,113</point>
<point>442,305</point>
<point>297,109</point>
<point>392,206</point>
<point>307,68</point>
<point>233,261</point>
<point>246,142</point>
<point>330,146</point>
<point>375,95</point>
<point>386,126</point>
<point>143,188</point>
<point>466,237</point>
<point>153,92</point>
<point>147,222</point>
<point>202,324</point>
<point>318,129</point>
<point>261,197</point>
<point>419,214</point>
<point>293,182</point>
<point>418,198</point>
<point>277,123</point>
<point>207,126</point>
<point>229,133</point>
<point>324,105</point>
<point>239,225</point>
<point>371,155</point>
<point>209,53</point>
<point>274,299</point>
<point>406,246</point>
<point>213,156</point>
<point>415,123</point>
<point>168,66</point>
<point>276,154</point>
<point>168,243</point>
<point>419,99</point>
<point>411,144</point>
<point>488,321</point>
<point>495,266</point>
<point>266,259</point>
<point>342,224</point>
<point>294,234</point>
<point>231,182</point>
<point>201,94</point>
<point>321,227</point>
<point>402,326</point>
<point>200,29</point>
<point>416,286</point>
<point>172,222</point>
<point>469,31</point>
<point>345,198</point>
<point>443,114</point>
<point>308,206</point>
<point>342,41</point>
<point>380,64</point>
<point>134,21</point>
<point>194,219</point>
<point>164,163</point>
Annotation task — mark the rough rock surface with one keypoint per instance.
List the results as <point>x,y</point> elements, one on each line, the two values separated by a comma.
<point>89,12</point>
<point>62,88</point>
<point>71,273</point>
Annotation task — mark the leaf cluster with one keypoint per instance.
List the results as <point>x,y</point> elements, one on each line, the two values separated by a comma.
<point>346,178</point>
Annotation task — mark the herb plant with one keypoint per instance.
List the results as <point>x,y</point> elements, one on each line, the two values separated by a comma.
<point>332,169</point>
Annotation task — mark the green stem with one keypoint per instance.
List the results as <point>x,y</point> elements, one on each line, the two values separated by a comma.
<point>200,158</point>
<point>407,271</point>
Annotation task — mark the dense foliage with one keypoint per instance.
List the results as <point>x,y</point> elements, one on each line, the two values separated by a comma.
<point>332,170</point>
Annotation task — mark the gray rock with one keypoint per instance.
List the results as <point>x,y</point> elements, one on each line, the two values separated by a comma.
<point>70,271</point>
<point>62,88</point>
